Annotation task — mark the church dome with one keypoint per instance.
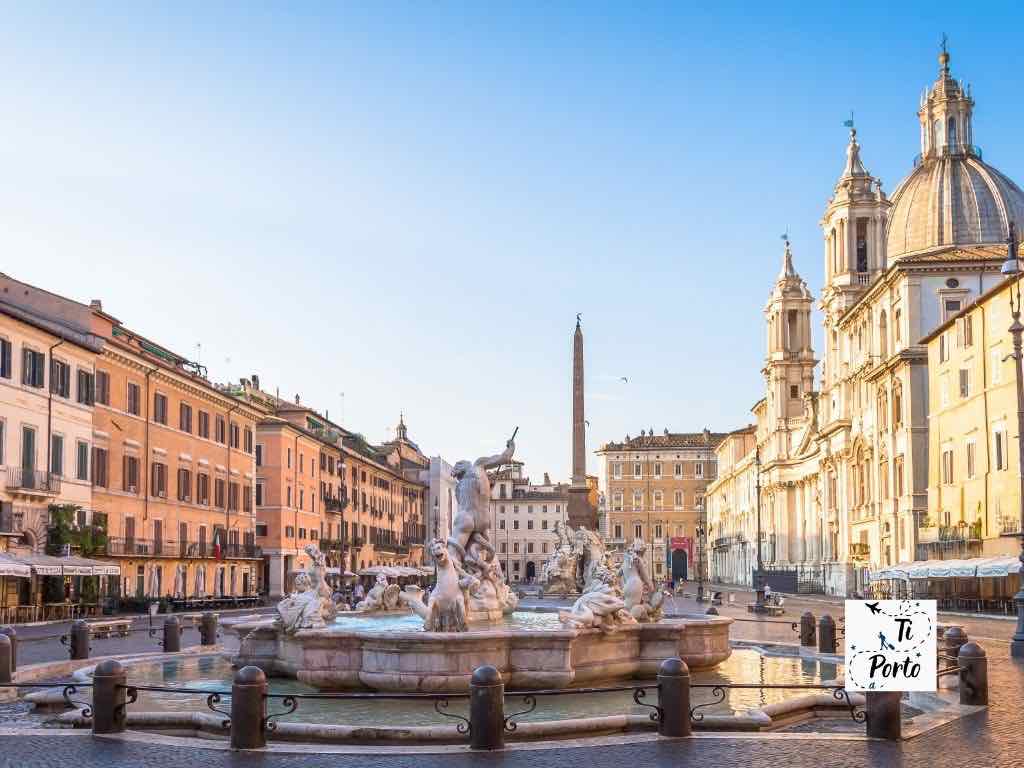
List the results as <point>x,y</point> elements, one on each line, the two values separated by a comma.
<point>951,197</point>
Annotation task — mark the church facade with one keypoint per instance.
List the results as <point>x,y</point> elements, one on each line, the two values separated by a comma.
<point>841,471</point>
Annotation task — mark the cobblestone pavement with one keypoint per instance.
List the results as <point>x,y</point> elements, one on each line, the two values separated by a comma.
<point>41,642</point>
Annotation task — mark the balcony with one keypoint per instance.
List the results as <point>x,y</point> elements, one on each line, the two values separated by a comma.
<point>332,504</point>
<point>32,482</point>
<point>386,547</point>
<point>860,551</point>
<point>1009,526</point>
<point>186,550</point>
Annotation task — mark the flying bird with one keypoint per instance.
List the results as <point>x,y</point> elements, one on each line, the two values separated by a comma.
<point>624,379</point>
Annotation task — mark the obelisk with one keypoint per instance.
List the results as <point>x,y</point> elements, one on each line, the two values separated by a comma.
<point>581,512</point>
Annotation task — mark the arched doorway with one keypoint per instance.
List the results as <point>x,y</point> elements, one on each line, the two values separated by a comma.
<point>531,571</point>
<point>679,570</point>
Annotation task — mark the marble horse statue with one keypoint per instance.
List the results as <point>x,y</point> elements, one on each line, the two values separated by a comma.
<point>643,600</point>
<point>445,608</point>
<point>309,606</point>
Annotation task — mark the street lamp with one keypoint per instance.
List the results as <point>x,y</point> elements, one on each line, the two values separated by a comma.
<point>759,606</point>
<point>1011,268</point>
<point>701,545</point>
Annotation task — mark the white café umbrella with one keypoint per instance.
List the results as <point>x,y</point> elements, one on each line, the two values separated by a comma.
<point>179,581</point>
<point>218,582</point>
<point>154,582</point>
<point>201,581</point>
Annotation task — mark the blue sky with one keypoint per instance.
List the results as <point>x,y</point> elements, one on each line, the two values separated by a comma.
<point>410,202</point>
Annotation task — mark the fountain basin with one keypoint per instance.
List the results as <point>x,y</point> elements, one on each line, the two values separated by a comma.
<point>336,658</point>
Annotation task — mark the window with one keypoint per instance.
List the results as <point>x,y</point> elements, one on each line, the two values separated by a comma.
<point>233,492</point>
<point>1000,447</point>
<point>247,499</point>
<point>794,391</point>
<point>218,493</point>
<point>289,532</point>
<point>638,531</point>
<point>503,548</point>
<point>658,500</point>
<point>99,467</point>
<point>221,430</point>
<point>617,470</point>
<point>897,326</point>
<point>159,480</point>
<point>529,547</point>
<point>289,496</point>
<point>618,531</point>
<point>657,469</point>
<point>203,489</point>
<point>515,525</point>
<point>261,529</point>
<point>951,307</point>
<point>698,470</point>
<point>185,418</point>
<point>204,424</point>
<point>515,551</point>
<point>637,469</point>
<point>184,484</point>
<point>81,458</point>
<point>529,525</point>
<point>302,533</point>
<point>679,499</point>
<point>678,471</point>
<point>86,387</point>
<point>130,474</point>
<point>247,446</point>
<point>965,331</point>
<point>501,524</point>
<point>657,531</point>
<point>259,494</point>
<point>638,499</point>
<point>947,466</point>
<point>32,368</point>
<point>259,454</point>
<point>971,451</point>
<point>897,475</point>
<point>235,435</point>
<point>943,347</point>
<point>60,378</point>
<point>57,455</point>
<point>103,387</point>
<point>543,525</point>
<point>302,498</point>
<point>134,396</point>
<point>5,359</point>
<point>897,404</point>
<point>617,500</point>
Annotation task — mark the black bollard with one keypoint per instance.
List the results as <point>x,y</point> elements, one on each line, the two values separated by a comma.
<point>79,640</point>
<point>11,633</point>
<point>883,714</point>
<point>249,709</point>
<point>172,635</point>
<point>807,629</point>
<point>973,663</point>
<point>954,638</point>
<point>674,698</point>
<point>109,697</point>
<point>6,674</point>
<point>208,629</point>
<point>486,709</point>
<point>826,634</point>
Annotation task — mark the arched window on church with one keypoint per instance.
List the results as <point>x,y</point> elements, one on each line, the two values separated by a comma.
<point>951,133</point>
<point>883,336</point>
<point>897,404</point>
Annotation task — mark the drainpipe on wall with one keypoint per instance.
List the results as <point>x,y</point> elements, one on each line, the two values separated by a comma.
<point>49,416</point>
<point>145,468</point>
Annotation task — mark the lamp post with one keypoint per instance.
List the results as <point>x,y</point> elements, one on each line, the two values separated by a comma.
<point>759,606</point>
<point>701,547</point>
<point>1011,268</point>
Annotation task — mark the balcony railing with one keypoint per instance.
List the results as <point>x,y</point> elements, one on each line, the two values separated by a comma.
<point>32,480</point>
<point>135,547</point>
<point>1009,526</point>
<point>860,551</point>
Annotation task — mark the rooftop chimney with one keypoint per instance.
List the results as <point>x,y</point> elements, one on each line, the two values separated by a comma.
<point>96,304</point>
<point>255,381</point>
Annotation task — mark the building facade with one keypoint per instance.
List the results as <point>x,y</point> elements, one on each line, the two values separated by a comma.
<point>655,489</point>
<point>524,517</point>
<point>973,478</point>
<point>844,470</point>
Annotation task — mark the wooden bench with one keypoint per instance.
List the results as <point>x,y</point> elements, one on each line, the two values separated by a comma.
<point>120,627</point>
